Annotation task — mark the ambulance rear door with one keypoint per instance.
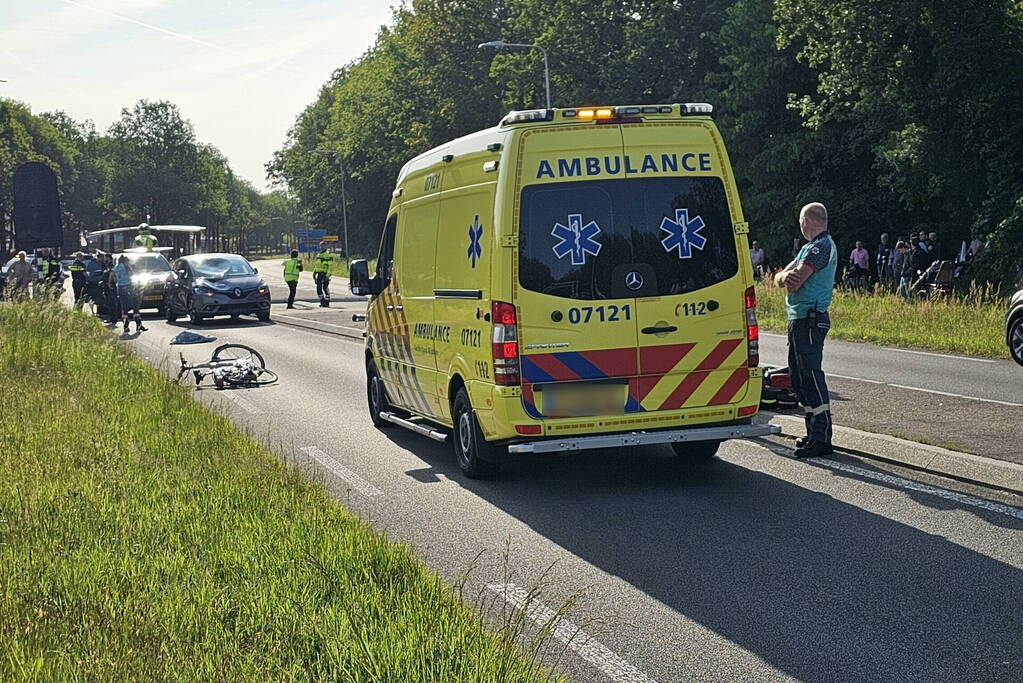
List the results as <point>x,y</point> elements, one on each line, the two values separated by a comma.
<point>691,317</point>
<point>576,312</point>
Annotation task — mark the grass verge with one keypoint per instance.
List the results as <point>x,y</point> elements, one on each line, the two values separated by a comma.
<point>142,537</point>
<point>973,324</point>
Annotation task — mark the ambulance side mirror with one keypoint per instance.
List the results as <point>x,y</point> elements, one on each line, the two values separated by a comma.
<point>358,278</point>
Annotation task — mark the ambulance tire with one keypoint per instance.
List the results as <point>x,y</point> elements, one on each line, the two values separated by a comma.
<point>376,396</point>
<point>476,457</point>
<point>695,451</point>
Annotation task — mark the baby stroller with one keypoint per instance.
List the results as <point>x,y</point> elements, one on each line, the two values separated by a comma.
<point>935,281</point>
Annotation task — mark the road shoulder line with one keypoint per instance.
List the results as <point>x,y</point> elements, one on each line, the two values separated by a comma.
<point>963,466</point>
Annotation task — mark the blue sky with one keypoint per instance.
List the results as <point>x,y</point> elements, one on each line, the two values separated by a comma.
<point>240,70</point>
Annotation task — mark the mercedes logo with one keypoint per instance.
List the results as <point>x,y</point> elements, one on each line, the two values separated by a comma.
<point>634,280</point>
<point>237,292</point>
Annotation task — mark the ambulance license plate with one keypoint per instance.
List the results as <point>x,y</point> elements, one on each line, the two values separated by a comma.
<point>584,399</point>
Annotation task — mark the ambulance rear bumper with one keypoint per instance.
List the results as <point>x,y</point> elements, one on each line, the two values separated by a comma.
<point>719,433</point>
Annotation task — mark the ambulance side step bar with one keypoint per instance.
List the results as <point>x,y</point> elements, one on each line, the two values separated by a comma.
<point>413,424</point>
<point>721,433</point>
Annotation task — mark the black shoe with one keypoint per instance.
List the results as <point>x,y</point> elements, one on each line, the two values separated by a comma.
<point>326,304</point>
<point>289,307</point>
<point>813,449</point>
<point>141,328</point>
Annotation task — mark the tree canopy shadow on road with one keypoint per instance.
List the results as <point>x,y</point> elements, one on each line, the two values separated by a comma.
<point>816,587</point>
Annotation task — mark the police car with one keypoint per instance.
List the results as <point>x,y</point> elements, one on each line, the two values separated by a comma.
<point>569,279</point>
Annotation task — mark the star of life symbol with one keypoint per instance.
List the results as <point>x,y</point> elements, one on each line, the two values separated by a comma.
<point>576,239</point>
<point>683,234</point>
<point>475,250</point>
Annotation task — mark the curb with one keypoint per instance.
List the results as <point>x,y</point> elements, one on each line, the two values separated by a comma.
<point>973,469</point>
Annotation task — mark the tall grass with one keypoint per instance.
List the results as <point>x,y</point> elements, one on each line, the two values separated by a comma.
<point>142,537</point>
<point>972,323</point>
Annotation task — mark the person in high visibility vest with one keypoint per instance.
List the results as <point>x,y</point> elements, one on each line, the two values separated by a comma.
<point>145,238</point>
<point>321,274</point>
<point>292,267</point>
<point>49,272</point>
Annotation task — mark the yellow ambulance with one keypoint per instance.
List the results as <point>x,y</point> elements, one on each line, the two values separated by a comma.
<point>569,279</point>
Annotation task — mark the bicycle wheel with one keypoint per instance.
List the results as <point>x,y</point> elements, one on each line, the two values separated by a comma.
<point>238,352</point>
<point>259,377</point>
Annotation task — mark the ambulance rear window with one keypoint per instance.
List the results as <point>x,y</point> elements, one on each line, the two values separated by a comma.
<point>578,240</point>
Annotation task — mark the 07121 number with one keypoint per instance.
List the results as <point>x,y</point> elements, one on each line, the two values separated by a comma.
<point>603,314</point>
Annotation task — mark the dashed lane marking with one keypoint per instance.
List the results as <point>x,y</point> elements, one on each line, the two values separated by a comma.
<point>613,666</point>
<point>342,472</point>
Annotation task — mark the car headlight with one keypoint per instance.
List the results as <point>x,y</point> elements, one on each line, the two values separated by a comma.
<point>263,290</point>
<point>203,291</point>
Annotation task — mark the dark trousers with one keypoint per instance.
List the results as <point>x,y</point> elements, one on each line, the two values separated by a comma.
<point>113,307</point>
<point>806,353</point>
<point>78,289</point>
<point>292,286</point>
<point>322,281</point>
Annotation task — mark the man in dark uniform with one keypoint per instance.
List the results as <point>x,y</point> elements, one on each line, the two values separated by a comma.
<point>809,281</point>
<point>77,270</point>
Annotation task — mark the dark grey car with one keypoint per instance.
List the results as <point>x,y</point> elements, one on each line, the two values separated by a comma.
<point>207,285</point>
<point>1014,327</point>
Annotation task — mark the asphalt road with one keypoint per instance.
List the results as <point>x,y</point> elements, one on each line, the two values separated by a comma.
<point>760,568</point>
<point>987,380</point>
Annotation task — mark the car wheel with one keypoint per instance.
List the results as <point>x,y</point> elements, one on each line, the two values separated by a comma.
<point>476,457</point>
<point>376,396</point>
<point>263,317</point>
<point>695,451</point>
<point>1015,338</point>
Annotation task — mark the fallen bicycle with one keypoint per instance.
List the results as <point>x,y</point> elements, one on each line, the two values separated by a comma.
<point>234,365</point>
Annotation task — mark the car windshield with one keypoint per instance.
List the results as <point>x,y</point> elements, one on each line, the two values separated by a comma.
<point>148,263</point>
<point>218,267</point>
<point>575,238</point>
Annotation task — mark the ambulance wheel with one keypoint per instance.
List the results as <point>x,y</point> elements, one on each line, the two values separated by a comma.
<point>476,457</point>
<point>376,396</point>
<point>695,451</point>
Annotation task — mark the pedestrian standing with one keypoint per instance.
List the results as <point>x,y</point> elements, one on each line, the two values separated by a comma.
<point>127,297</point>
<point>19,275</point>
<point>321,274</point>
<point>758,259</point>
<point>77,270</point>
<point>110,289</point>
<point>292,268</point>
<point>809,281</point>
<point>49,272</point>
<point>882,257</point>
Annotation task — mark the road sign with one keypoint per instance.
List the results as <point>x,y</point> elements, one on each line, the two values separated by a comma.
<point>311,234</point>
<point>329,238</point>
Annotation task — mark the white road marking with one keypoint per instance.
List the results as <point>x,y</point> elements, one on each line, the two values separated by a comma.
<point>897,350</point>
<point>926,391</point>
<point>613,666</point>
<point>318,322</point>
<point>961,498</point>
<point>342,472</point>
<point>945,393</point>
<point>242,403</point>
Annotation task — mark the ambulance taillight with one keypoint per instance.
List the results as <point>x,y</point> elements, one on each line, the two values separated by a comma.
<point>505,343</point>
<point>752,329</point>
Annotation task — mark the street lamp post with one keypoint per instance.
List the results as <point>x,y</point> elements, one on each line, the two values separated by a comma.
<point>499,44</point>
<point>344,200</point>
